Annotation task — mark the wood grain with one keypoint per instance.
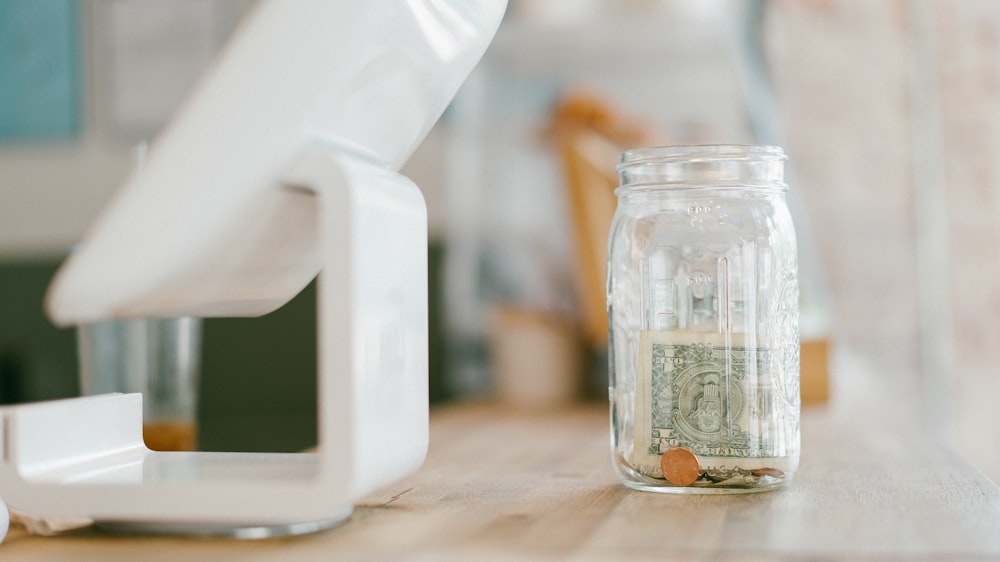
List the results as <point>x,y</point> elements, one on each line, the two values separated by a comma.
<point>503,485</point>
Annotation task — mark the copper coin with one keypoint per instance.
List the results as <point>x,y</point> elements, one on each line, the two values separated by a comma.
<point>680,466</point>
<point>773,472</point>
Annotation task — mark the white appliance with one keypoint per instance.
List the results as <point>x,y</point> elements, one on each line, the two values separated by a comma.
<point>281,166</point>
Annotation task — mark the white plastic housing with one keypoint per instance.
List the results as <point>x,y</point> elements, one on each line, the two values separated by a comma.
<point>201,229</point>
<point>85,457</point>
<point>281,165</point>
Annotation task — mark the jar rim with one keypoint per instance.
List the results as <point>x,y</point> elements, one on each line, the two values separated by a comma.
<point>701,152</point>
<point>702,166</point>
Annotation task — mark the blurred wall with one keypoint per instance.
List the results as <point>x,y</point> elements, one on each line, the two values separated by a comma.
<point>892,112</point>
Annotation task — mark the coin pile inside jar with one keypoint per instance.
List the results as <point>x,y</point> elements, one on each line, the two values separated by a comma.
<point>681,467</point>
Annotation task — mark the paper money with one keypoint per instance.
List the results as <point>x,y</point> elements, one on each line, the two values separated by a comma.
<point>710,395</point>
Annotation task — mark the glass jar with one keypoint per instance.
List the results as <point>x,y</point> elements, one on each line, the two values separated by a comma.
<point>703,316</point>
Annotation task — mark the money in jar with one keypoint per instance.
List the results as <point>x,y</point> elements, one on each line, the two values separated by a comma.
<point>703,317</point>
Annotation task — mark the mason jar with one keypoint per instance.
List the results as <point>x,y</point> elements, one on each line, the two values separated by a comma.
<point>703,315</point>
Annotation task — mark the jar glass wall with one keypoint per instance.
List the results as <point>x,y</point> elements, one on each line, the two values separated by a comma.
<point>703,313</point>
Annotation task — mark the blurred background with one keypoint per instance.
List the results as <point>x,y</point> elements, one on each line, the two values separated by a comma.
<point>889,112</point>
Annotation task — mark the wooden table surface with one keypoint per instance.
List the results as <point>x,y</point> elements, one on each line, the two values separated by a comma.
<point>504,485</point>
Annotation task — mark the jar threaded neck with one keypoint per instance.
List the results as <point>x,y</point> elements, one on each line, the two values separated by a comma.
<point>703,166</point>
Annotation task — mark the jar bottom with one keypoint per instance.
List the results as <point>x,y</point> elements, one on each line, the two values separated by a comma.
<point>704,490</point>
<point>710,481</point>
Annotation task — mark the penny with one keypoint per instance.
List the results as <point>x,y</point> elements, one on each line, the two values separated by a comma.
<point>773,472</point>
<point>680,466</point>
